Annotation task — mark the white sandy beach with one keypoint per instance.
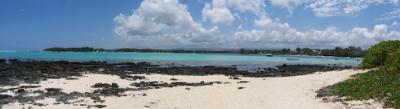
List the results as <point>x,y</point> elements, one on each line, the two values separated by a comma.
<point>297,92</point>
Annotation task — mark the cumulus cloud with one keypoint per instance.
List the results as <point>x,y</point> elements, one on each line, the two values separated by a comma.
<point>328,8</point>
<point>218,12</point>
<point>254,6</point>
<point>168,24</point>
<point>275,34</point>
<point>161,23</point>
<point>289,4</point>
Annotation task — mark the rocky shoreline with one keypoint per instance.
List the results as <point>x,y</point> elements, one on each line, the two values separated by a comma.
<point>13,72</point>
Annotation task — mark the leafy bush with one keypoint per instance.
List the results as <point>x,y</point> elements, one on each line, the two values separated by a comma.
<point>377,55</point>
<point>381,84</point>
<point>376,84</point>
<point>393,62</point>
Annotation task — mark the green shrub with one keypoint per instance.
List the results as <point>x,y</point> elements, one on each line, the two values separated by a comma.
<point>377,55</point>
<point>393,62</point>
<point>376,84</point>
<point>382,84</point>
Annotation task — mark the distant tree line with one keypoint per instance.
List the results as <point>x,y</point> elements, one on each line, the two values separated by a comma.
<point>350,51</point>
<point>263,51</point>
<point>90,49</point>
<point>171,51</point>
<point>75,49</point>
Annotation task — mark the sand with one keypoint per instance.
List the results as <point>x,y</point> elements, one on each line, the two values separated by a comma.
<point>297,92</point>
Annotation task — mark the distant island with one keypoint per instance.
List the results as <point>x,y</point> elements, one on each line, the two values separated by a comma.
<point>350,51</point>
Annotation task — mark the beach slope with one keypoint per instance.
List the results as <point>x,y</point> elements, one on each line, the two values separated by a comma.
<point>296,92</point>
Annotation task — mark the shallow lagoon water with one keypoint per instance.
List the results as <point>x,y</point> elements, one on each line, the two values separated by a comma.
<point>247,61</point>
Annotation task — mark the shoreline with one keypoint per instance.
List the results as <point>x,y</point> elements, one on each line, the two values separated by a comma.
<point>160,91</point>
<point>62,84</point>
<point>14,71</point>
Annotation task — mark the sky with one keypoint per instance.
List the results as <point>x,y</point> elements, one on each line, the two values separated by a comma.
<point>197,24</point>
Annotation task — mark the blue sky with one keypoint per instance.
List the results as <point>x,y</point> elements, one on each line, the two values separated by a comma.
<point>34,24</point>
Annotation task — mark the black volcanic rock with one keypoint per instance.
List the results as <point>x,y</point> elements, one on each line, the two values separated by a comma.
<point>17,71</point>
<point>114,85</point>
<point>5,96</point>
<point>101,85</point>
<point>53,89</point>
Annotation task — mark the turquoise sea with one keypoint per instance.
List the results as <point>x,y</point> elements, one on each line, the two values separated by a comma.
<point>191,59</point>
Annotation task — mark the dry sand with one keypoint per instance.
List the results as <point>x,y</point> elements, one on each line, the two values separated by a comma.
<point>297,92</point>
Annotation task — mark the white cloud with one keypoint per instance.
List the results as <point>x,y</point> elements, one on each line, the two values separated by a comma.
<point>289,4</point>
<point>396,2</point>
<point>168,24</point>
<point>254,6</point>
<point>395,23</point>
<point>161,23</point>
<point>218,13</point>
<point>395,14</point>
<point>275,34</point>
<point>328,8</point>
<point>268,24</point>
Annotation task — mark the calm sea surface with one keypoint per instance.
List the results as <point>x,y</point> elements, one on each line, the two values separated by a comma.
<point>190,59</point>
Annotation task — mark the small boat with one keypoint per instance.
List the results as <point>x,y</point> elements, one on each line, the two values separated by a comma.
<point>269,55</point>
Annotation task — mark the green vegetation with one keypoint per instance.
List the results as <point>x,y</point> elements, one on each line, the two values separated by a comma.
<point>376,84</point>
<point>171,51</point>
<point>381,84</point>
<point>378,54</point>
<point>338,51</point>
<point>350,51</point>
<point>72,49</point>
<point>90,49</point>
<point>260,51</point>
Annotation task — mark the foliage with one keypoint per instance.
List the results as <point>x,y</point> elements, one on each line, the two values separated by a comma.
<point>381,84</point>
<point>350,51</point>
<point>377,55</point>
<point>376,84</point>
<point>72,49</point>
<point>89,49</point>
<point>338,51</point>
<point>392,63</point>
<point>261,51</point>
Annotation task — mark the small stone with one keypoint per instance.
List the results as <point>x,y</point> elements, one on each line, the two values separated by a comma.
<point>21,90</point>
<point>235,78</point>
<point>114,85</point>
<point>241,88</point>
<point>97,106</point>
<point>173,79</point>
<point>243,82</point>
<point>53,89</point>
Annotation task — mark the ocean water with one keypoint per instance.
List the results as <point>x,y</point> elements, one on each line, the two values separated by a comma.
<point>177,57</point>
<point>247,61</point>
